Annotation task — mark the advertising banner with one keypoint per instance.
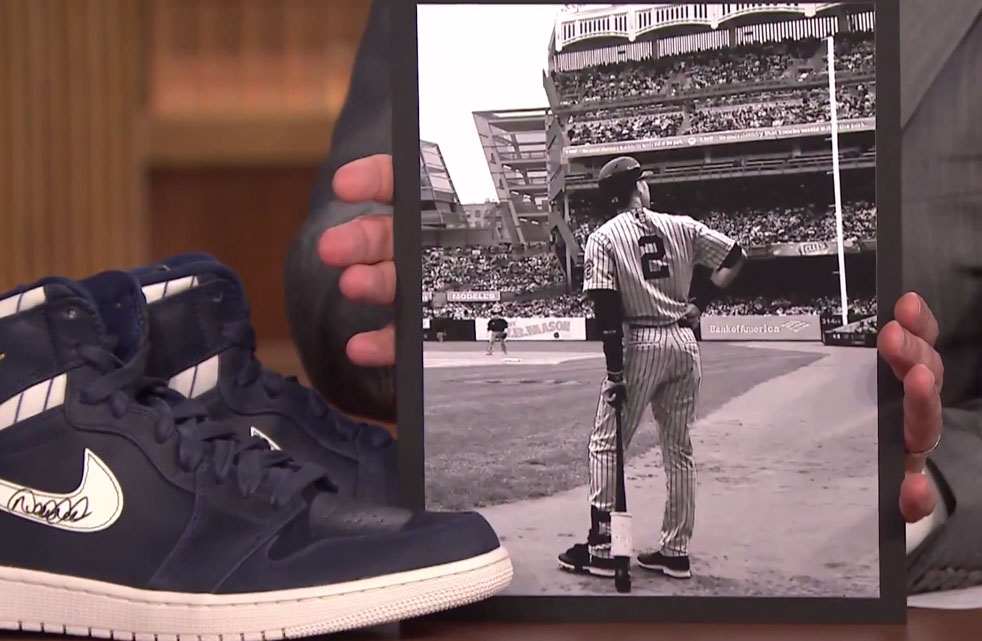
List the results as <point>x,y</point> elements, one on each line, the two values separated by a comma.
<point>473,297</point>
<point>761,328</point>
<point>718,138</point>
<point>537,329</point>
<point>814,248</point>
<point>850,339</point>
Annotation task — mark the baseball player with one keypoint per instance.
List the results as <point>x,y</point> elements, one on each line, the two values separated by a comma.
<point>497,331</point>
<point>637,271</point>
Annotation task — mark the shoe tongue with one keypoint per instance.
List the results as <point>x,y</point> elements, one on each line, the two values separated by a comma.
<point>122,310</point>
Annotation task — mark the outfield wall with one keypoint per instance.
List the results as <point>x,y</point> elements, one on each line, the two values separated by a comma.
<point>803,328</point>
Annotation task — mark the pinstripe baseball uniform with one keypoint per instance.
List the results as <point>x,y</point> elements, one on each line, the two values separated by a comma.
<point>648,257</point>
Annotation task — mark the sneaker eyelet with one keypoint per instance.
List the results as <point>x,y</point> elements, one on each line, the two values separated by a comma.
<point>218,298</point>
<point>70,313</point>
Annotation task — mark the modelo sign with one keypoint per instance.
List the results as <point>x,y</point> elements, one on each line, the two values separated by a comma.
<point>537,329</point>
<point>761,328</point>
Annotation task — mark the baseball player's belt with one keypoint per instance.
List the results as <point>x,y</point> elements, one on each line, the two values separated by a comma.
<point>680,322</point>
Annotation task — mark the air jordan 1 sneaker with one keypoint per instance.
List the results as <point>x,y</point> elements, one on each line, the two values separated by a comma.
<point>126,513</point>
<point>202,342</point>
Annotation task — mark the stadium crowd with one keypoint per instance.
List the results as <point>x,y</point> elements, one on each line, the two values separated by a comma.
<point>792,306</point>
<point>855,53</point>
<point>674,75</point>
<point>757,227</point>
<point>794,224</point>
<point>741,111</point>
<point>486,269</point>
<point>629,128</point>
<point>808,107</point>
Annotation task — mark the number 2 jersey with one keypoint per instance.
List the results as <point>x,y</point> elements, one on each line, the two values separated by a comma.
<point>649,258</point>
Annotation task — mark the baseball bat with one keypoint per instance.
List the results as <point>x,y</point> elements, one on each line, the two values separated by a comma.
<point>620,520</point>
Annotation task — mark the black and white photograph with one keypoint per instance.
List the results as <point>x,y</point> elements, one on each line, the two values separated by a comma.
<point>649,296</point>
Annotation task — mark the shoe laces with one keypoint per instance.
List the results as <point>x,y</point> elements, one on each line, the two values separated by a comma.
<point>200,442</point>
<point>242,335</point>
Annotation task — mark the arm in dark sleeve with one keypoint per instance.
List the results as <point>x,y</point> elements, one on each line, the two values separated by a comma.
<point>954,466</point>
<point>608,311</point>
<point>321,320</point>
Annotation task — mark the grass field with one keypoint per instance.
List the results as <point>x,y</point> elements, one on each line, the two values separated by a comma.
<point>504,432</point>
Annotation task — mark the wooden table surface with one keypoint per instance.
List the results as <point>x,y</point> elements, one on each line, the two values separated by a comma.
<point>923,625</point>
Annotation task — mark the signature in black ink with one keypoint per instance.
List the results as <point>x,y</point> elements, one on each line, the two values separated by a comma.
<point>65,510</point>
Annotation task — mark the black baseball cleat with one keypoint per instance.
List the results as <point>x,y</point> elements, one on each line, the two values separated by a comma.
<point>677,567</point>
<point>578,560</point>
<point>126,513</point>
<point>203,343</point>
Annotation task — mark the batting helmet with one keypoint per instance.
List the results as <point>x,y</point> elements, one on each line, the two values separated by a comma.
<point>619,173</point>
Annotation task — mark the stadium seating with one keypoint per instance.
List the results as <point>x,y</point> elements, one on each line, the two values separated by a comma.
<point>678,75</point>
<point>475,268</point>
<point>755,227</point>
<point>690,72</point>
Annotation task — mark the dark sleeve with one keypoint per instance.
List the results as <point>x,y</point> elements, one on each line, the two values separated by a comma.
<point>609,312</point>
<point>955,466</point>
<point>958,459</point>
<point>321,320</point>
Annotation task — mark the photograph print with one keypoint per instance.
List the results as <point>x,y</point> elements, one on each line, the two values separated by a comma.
<point>649,295</point>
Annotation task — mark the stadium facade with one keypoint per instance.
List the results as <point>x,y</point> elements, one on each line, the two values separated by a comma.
<point>632,79</point>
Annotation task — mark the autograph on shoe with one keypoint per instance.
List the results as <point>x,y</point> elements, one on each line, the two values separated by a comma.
<point>93,506</point>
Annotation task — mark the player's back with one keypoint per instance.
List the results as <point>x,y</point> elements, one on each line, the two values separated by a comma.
<point>653,255</point>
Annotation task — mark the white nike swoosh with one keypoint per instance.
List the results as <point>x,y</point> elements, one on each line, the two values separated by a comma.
<point>93,506</point>
<point>254,432</point>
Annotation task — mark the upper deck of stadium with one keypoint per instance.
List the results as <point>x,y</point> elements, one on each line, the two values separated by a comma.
<point>644,27</point>
<point>707,92</point>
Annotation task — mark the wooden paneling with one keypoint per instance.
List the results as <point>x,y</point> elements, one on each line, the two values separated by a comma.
<point>246,217</point>
<point>251,56</point>
<point>242,97</point>
<point>226,140</point>
<point>69,92</point>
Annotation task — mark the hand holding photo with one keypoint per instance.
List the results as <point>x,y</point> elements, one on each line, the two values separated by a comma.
<point>651,264</point>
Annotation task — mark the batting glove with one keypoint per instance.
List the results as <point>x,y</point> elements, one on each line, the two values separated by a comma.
<point>614,389</point>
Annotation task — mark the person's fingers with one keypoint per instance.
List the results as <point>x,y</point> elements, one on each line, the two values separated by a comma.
<point>916,317</point>
<point>365,180</point>
<point>922,414</point>
<point>917,497</point>
<point>363,241</point>
<point>375,284</point>
<point>373,349</point>
<point>902,350</point>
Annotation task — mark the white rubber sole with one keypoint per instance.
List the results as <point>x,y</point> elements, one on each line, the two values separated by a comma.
<point>592,571</point>
<point>674,574</point>
<point>41,602</point>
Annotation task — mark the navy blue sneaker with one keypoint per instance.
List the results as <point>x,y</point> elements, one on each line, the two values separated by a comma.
<point>203,343</point>
<point>124,513</point>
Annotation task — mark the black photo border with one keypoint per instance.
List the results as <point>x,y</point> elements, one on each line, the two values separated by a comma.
<point>890,607</point>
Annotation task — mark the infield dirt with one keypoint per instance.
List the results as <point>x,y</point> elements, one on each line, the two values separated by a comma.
<point>785,445</point>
